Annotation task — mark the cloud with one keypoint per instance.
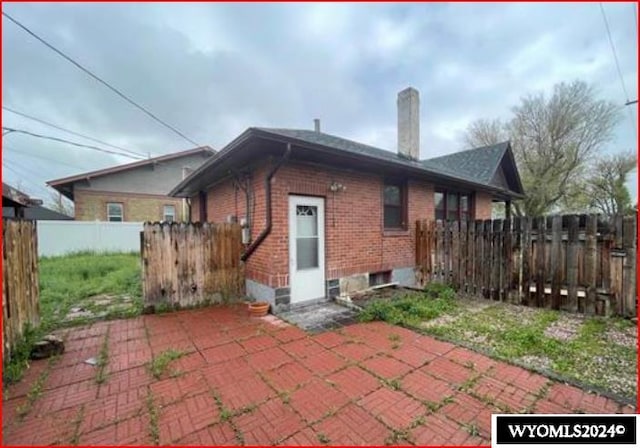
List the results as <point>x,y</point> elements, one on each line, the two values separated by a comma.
<point>212,70</point>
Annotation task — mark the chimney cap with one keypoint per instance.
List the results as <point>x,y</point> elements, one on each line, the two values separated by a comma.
<point>316,124</point>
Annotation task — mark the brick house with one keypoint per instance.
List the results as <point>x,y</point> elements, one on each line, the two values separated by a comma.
<point>135,191</point>
<point>326,215</point>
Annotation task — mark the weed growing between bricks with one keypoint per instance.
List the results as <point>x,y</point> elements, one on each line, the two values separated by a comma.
<point>160,363</point>
<point>36,389</point>
<point>77,421</point>
<point>103,359</point>
<point>227,416</point>
<point>154,431</point>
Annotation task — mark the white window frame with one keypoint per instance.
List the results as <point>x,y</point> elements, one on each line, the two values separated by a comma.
<point>164,213</point>
<point>121,216</point>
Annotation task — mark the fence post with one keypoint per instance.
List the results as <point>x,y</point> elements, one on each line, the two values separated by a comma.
<point>556,262</point>
<point>454,227</point>
<point>629,295</point>
<point>507,261</point>
<point>541,243</point>
<point>526,260</point>
<point>496,264</point>
<point>590,263</point>
<point>572,264</point>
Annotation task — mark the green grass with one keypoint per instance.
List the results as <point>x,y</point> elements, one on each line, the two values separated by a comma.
<point>410,309</point>
<point>520,334</point>
<point>589,357</point>
<point>69,281</point>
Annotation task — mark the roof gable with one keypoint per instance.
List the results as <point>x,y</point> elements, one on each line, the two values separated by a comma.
<point>129,166</point>
<point>492,165</point>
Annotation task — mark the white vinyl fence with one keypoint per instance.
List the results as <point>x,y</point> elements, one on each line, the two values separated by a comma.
<point>62,237</point>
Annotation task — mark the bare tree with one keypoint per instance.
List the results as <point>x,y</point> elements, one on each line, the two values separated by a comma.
<point>605,189</point>
<point>60,204</point>
<point>485,132</point>
<point>553,140</point>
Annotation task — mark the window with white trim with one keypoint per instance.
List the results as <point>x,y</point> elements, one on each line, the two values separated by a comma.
<point>115,212</point>
<point>169,213</point>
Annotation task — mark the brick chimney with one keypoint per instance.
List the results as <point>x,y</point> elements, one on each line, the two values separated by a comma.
<point>409,123</point>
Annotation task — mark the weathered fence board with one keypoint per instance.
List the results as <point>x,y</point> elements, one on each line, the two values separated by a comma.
<point>578,263</point>
<point>190,264</point>
<point>20,290</point>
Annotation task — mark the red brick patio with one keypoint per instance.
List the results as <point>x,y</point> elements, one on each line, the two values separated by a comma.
<point>261,381</point>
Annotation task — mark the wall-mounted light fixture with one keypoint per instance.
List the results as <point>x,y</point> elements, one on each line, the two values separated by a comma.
<point>335,187</point>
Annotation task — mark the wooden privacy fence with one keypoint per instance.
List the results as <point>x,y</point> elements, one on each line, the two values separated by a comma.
<point>20,292</point>
<point>577,263</point>
<point>189,264</point>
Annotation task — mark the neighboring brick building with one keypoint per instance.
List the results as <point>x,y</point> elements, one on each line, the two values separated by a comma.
<point>135,191</point>
<point>342,214</point>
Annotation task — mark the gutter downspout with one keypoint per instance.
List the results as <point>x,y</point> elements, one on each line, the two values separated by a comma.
<point>267,189</point>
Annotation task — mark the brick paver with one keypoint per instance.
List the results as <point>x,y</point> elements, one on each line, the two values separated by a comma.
<point>263,381</point>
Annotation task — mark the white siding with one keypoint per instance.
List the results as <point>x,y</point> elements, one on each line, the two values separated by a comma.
<point>63,237</point>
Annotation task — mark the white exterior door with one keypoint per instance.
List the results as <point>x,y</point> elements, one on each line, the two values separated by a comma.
<point>306,248</point>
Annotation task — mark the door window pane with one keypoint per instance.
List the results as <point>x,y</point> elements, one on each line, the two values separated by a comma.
<point>307,253</point>
<point>307,221</point>
<point>307,237</point>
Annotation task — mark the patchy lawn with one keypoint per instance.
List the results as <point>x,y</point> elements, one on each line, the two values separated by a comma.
<point>595,351</point>
<point>78,288</point>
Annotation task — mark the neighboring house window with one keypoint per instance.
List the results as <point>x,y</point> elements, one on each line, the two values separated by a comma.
<point>452,206</point>
<point>394,205</point>
<point>169,213</point>
<point>115,212</point>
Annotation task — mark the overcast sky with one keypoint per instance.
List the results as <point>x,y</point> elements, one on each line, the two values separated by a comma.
<point>212,70</point>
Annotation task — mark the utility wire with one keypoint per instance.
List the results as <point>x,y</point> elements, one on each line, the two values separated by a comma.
<point>615,57</point>
<point>80,145</point>
<point>55,126</point>
<point>11,149</point>
<point>21,177</point>
<point>613,50</point>
<point>100,80</point>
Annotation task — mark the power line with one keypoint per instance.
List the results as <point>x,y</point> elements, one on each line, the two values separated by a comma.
<point>100,80</point>
<point>39,120</point>
<point>615,57</point>
<point>38,157</point>
<point>61,140</point>
<point>28,181</point>
<point>613,50</point>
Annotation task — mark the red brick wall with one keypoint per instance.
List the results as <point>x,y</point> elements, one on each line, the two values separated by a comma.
<point>355,241</point>
<point>483,206</point>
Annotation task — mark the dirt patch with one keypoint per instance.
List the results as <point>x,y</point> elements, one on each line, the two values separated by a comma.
<point>536,362</point>
<point>626,338</point>
<point>566,328</point>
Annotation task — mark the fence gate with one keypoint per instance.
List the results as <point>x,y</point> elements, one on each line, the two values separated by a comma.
<point>189,264</point>
<point>578,263</point>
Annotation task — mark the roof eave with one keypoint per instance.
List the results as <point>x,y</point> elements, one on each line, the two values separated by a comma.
<point>128,166</point>
<point>179,190</point>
